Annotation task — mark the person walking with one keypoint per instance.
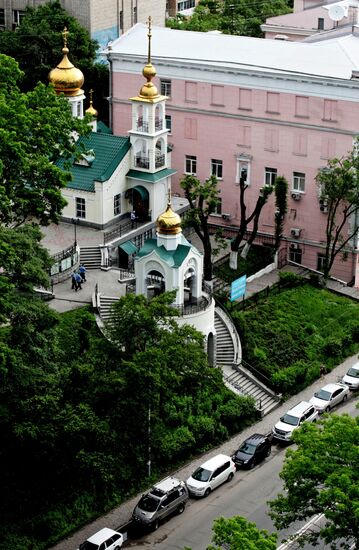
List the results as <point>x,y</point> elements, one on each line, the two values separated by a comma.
<point>82,271</point>
<point>78,282</point>
<point>133,219</point>
<point>73,281</point>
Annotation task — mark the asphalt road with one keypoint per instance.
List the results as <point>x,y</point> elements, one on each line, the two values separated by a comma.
<point>246,495</point>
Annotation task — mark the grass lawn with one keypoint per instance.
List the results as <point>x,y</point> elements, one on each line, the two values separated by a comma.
<point>258,258</point>
<point>289,335</point>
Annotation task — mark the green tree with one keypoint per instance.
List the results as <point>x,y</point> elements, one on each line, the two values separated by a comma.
<point>281,203</point>
<point>37,43</point>
<point>35,129</point>
<point>321,477</point>
<point>203,198</point>
<point>339,194</point>
<point>238,533</point>
<point>231,16</point>
<point>245,220</point>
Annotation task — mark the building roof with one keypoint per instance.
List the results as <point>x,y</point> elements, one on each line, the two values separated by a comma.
<point>336,58</point>
<point>173,258</point>
<point>150,178</point>
<point>108,151</point>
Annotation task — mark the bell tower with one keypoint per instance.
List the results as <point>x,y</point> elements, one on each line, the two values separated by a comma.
<point>148,134</point>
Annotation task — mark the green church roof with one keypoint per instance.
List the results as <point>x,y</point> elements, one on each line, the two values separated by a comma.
<point>108,151</point>
<point>174,258</point>
<point>150,178</point>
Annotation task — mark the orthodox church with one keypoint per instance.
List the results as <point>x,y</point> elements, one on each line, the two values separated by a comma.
<point>117,175</point>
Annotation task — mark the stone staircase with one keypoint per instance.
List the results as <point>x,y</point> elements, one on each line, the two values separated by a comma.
<point>240,380</point>
<point>236,377</point>
<point>90,257</point>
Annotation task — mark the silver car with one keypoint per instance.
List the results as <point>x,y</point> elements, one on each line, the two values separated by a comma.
<point>329,396</point>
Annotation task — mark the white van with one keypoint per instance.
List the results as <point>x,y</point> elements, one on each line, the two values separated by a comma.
<point>351,379</point>
<point>210,475</point>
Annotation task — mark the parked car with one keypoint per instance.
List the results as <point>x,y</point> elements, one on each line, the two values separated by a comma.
<point>303,412</point>
<point>351,379</point>
<point>166,497</point>
<point>210,475</point>
<point>254,449</point>
<point>105,539</point>
<point>329,396</point>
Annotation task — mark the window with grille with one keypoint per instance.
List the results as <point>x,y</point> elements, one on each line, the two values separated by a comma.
<point>166,87</point>
<point>117,204</point>
<point>80,207</point>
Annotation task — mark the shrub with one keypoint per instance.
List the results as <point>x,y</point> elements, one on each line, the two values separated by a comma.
<point>289,279</point>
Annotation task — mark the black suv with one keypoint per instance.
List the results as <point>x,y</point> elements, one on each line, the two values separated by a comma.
<point>253,450</point>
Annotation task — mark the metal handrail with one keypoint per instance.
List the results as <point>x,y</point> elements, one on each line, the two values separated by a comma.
<point>64,253</point>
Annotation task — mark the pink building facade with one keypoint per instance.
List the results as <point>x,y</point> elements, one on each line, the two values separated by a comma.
<point>250,108</point>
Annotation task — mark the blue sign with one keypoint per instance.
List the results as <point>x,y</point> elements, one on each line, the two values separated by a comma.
<point>238,288</point>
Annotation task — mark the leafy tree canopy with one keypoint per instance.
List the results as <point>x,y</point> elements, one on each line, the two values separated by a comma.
<point>36,127</point>
<point>321,477</point>
<point>238,533</point>
<point>231,16</point>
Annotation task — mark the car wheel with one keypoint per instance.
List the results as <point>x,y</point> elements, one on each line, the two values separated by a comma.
<point>345,398</point>
<point>327,409</point>
<point>207,491</point>
<point>181,508</point>
<point>155,525</point>
<point>230,477</point>
<point>268,451</point>
<point>251,465</point>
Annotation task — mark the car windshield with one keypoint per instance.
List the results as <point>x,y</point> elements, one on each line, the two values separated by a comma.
<point>201,474</point>
<point>353,372</point>
<point>323,394</point>
<point>88,546</point>
<point>289,419</point>
<point>247,449</point>
<point>148,504</point>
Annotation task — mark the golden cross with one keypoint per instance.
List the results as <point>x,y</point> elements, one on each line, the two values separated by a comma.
<point>65,33</point>
<point>91,92</point>
<point>149,38</point>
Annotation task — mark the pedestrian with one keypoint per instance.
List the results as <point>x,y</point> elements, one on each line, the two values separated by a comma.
<point>82,271</point>
<point>73,281</point>
<point>78,282</point>
<point>322,370</point>
<point>133,218</point>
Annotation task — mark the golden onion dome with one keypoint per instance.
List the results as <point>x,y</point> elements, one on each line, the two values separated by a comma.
<point>91,110</point>
<point>66,78</point>
<point>169,223</point>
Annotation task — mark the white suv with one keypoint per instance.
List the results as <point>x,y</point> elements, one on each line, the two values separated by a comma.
<point>106,539</point>
<point>303,412</point>
<point>210,475</point>
<point>351,379</point>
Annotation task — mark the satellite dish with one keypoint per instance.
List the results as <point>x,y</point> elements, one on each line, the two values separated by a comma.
<point>336,12</point>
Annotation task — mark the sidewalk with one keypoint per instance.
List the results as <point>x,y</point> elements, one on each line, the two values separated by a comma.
<point>122,513</point>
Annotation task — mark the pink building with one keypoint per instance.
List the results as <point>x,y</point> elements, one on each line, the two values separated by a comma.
<point>242,107</point>
<point>310,17</point>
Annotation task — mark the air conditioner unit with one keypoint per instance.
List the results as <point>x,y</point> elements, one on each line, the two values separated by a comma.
<point>295,232</point>
<point>324,208</point>
<point>296,196</point>
<point>226,217</point>
<point>294,246</point>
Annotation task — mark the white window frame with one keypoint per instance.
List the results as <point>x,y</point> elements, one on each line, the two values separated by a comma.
<point>320,261</point>
<point>270,175</point>
<point>243,165</point>
<point>17,16</point>
<point>80,203</point>
<point>166,87</point>
<point>217,168</point>
<point>190,166</point>
<point>185,5</point>
<point>117,204</point>
<point>298,182</point>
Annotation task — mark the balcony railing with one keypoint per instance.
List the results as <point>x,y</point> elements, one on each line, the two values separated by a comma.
<point>142,162</point>
<point>160,161</point>
<point>142,125</point>
<point>158,124</point>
